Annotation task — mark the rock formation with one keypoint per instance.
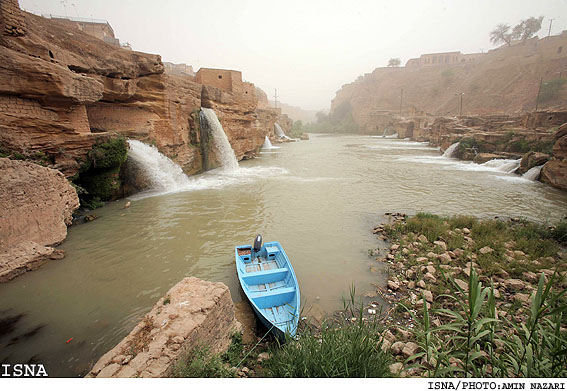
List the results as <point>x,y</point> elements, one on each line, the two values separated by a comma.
<point>36,205</point>
<point>504,80</point>
<point>193,313</point>
<point>62,91</point>
<point>554,171</point>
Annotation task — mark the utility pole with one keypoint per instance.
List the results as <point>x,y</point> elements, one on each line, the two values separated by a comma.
<point>401,101</point>
<point>276,97</point>
<point>550,23</point>
<point>538,92</point>
<point>64,3</point>
<point>461,104</point>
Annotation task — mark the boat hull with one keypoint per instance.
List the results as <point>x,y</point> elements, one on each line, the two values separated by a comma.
<point>270,285</point>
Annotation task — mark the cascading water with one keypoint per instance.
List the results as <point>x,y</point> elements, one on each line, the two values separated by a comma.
<point>451,150</point>
<point>278,130</point>
<point>225,153</point>
<point>533,173</point>
<point>503,165</point>
<point>267,144</point>
<point>162,173</point>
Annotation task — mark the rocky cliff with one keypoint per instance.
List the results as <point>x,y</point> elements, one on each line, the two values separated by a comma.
<point>36,205</point>
<point>63,91</point>
<point>505,80</point>
<point>554,171</point>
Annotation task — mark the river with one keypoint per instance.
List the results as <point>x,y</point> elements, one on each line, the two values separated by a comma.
<point>319,198</point>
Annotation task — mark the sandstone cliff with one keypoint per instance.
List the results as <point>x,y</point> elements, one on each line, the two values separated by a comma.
<point>193,313</point>
<point>36,205</point>
<point>554,171</point>
<point>505,80</point>
<point>62,91</point>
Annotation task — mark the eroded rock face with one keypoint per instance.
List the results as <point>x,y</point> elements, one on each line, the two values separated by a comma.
<point>36,205</point>
<point>193,312</point>
<point>554,171</point>
<point>62,91</point>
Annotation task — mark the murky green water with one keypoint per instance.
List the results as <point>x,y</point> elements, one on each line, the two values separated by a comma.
<point>319,198</point>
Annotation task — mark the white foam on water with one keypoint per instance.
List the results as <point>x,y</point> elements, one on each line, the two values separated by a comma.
<point>533,173</point>
<point>166,177</point>
<point>268,144</point>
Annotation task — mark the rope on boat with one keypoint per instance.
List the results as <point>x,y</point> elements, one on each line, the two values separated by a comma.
<point>254,347</point>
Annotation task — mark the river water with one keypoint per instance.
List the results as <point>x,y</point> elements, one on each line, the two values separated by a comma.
<point>319,198</point>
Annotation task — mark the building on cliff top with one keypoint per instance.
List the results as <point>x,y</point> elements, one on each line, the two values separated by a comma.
<point>98,28</point>
<point>227,80</point>
<point>178,69</point>
<point>432,59</point>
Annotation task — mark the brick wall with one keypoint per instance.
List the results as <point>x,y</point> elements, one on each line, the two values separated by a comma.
<point>12,20</point>
<point>219,78</point>
<point>18,107</point>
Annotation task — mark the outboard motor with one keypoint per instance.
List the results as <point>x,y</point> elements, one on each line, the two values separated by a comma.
<point>258,243</point>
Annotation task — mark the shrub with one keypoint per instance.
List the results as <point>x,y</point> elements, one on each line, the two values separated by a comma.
<point>199,363</point>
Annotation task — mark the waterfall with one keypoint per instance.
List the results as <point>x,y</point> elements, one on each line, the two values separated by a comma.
<point>451,150</point>
<point>267,144</point>
<point>278,130</point>
<point>162,173</point>
<point>533,173</point>
<point>225,153</point>
<point>503,165</point>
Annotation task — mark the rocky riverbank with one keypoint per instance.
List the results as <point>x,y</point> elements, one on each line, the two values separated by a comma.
<point>439,266</point>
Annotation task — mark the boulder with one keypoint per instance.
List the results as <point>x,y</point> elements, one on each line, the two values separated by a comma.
<point>198,313</point>
<point>532,159</point>
<point>37,205</point>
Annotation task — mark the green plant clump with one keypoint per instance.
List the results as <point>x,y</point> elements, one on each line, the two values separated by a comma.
<point>475,342</point>
<point>340,350</point>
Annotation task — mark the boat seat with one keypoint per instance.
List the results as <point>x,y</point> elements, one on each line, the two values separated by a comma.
<point>274,293</point>
<point>265,276</point>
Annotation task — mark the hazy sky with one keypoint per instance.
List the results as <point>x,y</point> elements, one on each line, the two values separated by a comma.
<point>306,49</point>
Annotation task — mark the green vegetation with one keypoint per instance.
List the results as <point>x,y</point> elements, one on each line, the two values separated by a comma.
<point>497,324</point>
<point>340,349</point>
<point>338,121</point>
<point>99,175</point>
<point>297,129</point>
<point>475,342</point>
<point>200,363</point>
<point>537,242</point>
<point>523,146</point>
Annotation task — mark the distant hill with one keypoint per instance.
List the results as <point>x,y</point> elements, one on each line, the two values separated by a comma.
<point>297,113</point>
<point>504,80</point>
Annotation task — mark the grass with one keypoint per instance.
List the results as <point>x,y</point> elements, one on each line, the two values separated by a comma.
<point>340,349</point>
<point>200,363</point>
<point>536,241</point>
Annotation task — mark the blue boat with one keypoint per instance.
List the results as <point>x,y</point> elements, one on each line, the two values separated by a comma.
<point>270,284</point>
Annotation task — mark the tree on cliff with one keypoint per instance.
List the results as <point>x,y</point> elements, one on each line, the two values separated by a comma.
<point>527,28</point>
<point>501,34</point>
<point>522,31</point>
<point>394,62</point>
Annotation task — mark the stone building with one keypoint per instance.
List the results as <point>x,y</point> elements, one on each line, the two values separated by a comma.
<point>178,69</point>
<point>446,58</point>
<point>97,28</point>
<point>225,79</point>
